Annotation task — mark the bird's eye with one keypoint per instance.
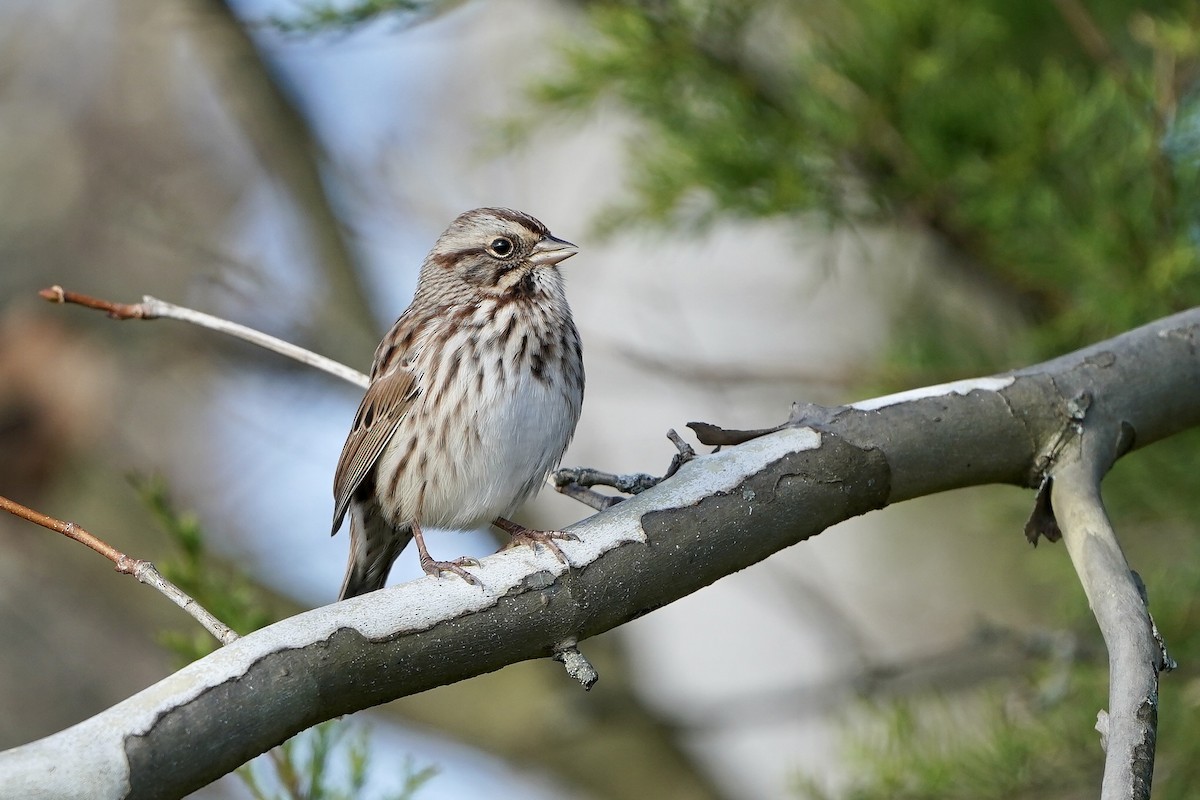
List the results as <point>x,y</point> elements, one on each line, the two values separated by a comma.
<point>501,247</point>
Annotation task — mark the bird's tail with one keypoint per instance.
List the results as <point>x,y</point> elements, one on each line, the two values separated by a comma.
<point>374,546</point>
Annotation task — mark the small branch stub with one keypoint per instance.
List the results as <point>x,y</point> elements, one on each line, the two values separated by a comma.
<point>576,482</point>
<point>684,453</point>
<point>587,477</point>
<point>1041,520</point>
<point>577,665</point>
<point>716,436</point>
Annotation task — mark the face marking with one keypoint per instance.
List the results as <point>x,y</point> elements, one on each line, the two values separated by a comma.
<point>498,252</point>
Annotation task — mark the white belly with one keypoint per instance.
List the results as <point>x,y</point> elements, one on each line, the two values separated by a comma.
<point>485,466</point>
<point>524,433</point>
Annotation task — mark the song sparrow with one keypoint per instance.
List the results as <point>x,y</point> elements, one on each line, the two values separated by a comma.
<point>474,395</point>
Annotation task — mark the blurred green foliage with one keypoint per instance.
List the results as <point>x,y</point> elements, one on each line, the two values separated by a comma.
<point>920,751</point>
<point>218,586</point>
<point>303,768</point>
<point>1053,145</point>
<point>1034,737</point>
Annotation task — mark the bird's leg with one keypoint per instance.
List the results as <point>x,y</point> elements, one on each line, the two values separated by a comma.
<point>436,568</point>
<point>522,535</point>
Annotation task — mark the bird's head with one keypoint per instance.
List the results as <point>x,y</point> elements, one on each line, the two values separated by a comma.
<point>497,252</point>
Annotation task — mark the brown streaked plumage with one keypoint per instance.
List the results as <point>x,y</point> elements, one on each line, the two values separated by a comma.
<point>474,396</point>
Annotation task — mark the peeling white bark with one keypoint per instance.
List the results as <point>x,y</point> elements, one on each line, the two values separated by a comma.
<point>964,387</point>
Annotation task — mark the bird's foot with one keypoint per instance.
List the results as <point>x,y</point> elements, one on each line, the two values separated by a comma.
<point>527,536</point>
<point>436,568</point>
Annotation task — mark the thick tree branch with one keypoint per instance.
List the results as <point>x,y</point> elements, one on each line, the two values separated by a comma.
<point>1129,729</point>
<point>719,513</point>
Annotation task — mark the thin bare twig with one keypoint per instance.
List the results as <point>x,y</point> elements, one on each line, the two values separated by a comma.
<point>576,482</point>
<point>591,499</point>
<point>144,571</point>
<point>684,453</point>
<point>153,308</point>
<point>587,477</point>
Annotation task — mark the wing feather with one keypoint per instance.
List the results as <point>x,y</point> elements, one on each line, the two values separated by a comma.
<point>385,404</point>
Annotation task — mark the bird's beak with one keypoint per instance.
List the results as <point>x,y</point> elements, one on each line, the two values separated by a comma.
<point>550,251</point>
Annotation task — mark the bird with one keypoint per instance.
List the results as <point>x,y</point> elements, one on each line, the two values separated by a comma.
<point>474,395</point>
